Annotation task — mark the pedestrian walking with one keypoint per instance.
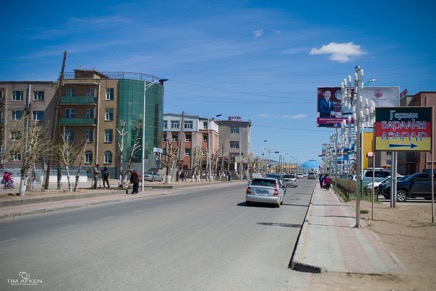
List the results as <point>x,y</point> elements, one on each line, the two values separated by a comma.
<point>183,175</point>
<point>96,176</point>
<point>327,181</point>
<point>134,179</point>
<point>321,180</point>
<point>105,176</point>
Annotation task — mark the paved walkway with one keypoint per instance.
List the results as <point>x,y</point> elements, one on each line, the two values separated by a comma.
<point>330,242</point>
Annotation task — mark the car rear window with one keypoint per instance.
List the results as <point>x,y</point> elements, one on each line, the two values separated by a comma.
<point>263,182</point>
<point>288,176</point>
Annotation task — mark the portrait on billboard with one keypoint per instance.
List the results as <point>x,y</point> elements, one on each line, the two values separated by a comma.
<point>329,106</point>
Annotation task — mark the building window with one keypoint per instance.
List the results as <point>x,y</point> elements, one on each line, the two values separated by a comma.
<point>38,115</point>
<point>205,125</point>
<point>205,138</point>
<point>108,135</point>
<point>88,157</point>
<point>109,116</point>
<point>165,124</point>
<point>17,95</point>
<point>189,125</point>
<point>175,124</point>
<point>89,135</point>
<point>15,156</point>
<point>234,129</point>
<point>188,137</point>
<point>38,95</point>
<point>187,152</point>
<point>15,135</point>
<point>17,115</point>
<point>69,92</point>
<point>175,136</point>
<point>69,135</point>
<point>91,92</point>
<point>107,157</point>
<point>89,112</point>
<point>110,92</point>
<point>164,137</point>
<point>69,113</point>
<point>234,144</point>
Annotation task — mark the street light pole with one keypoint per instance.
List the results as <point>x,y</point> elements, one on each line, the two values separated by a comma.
<point>209,141</point>
<point>146,86</point>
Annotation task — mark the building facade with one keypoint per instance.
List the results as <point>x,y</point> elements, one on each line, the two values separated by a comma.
<point>101,111</point>
<point>189,132</point>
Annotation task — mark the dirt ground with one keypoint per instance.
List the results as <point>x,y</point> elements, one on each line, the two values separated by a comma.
<point>408,233</point>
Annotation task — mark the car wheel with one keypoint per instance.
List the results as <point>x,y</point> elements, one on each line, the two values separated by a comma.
<point>401,196</point>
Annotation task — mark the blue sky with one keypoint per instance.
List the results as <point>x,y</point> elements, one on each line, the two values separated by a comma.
<point>261,60</point>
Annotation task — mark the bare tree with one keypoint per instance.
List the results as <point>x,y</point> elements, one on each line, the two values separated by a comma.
<point>133,150</point>
<point>67,154</point>
<point>170,160</point>
<point>28,142</point>
<point>121,150</point>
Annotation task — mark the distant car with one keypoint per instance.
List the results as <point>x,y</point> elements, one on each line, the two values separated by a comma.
<point>264,190</point>
<point>311,176</point>
<point>300,176</point>
<point>280,178</point>
<point>290,180</point>
<point>368,187</point>
<point>152,176</point>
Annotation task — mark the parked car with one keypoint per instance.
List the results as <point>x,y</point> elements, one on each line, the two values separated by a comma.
<point>264,190</point>
<point>300,176</point>
<point>290,180</point>
<point>368,187</point>
<point>282,182</point>
<point>152,176</point>
<point>385,183</point>
<point>379,175</point>
<point>416,185</point>
<point>311,176</point>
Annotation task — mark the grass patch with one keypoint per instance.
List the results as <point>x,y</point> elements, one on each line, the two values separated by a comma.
<point>364,211</point>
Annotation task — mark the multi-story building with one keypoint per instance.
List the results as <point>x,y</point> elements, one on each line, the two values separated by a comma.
<point>189,132</point>
<point>95,109</point>
<point>234,137</point>
<point>16,99</point>
<point>413,162</point>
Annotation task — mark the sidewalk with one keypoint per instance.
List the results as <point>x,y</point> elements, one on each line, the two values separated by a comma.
<point>330,242</point>
<point>51,200</point>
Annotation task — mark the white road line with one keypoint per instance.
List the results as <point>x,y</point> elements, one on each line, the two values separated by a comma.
<point>138,210</point>
<point>109,217</point>
<point>8,240</point>
<point>65,227</point>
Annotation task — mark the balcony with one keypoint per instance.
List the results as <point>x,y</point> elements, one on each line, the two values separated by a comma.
<point>78,100</point>
<point>77,122</point>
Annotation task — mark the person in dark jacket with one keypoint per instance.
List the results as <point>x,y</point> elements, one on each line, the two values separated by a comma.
<point>105,176</point>
<point>134,179</point>
<point>321,180</point>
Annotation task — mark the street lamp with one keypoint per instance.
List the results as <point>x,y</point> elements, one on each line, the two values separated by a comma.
<point>146,86</point>
<point>209,140</point>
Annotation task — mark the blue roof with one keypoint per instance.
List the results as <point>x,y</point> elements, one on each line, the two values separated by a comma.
<point>311,164</point>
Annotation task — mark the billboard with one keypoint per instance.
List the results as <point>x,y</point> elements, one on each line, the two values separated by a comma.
<point>331,112</point>
<point>403,129</point>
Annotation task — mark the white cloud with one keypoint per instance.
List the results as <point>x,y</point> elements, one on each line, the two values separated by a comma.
<point>339,52</point>
<point>258,33</point>
<point>298,116</point>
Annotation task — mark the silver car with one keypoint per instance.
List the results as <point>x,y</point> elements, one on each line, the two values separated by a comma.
<point>290,180</point>
<point>264,190</point>
<point>152,176</point>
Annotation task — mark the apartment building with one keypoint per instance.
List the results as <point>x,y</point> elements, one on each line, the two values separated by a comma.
<point>18,98</point>
<point>189,132</point>
<point>91,108</point>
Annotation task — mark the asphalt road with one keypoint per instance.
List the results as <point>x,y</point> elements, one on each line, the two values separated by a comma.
<point>193,240</point>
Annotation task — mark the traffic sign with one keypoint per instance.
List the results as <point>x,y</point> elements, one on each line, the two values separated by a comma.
<point>403,129</point>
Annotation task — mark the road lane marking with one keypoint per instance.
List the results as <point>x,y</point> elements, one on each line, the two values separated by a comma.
<point>65,227</point>
<point>8,240</point>
<point>106,218</point>
<point>138,210</point>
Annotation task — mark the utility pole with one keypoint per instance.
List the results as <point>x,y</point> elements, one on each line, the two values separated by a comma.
<point>181,145</point>
<point>55,120</point>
